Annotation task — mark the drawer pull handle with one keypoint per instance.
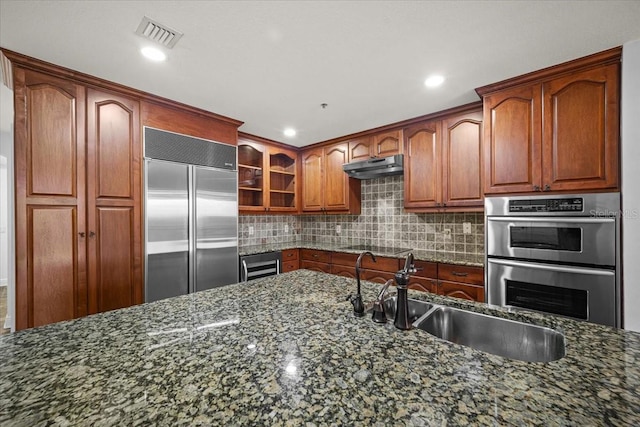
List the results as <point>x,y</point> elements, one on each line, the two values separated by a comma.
<point>455,273</point>
<point>316,256</point>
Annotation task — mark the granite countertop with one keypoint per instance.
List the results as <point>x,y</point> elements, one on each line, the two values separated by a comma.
<point>433,256</point>
<point>287,350</point>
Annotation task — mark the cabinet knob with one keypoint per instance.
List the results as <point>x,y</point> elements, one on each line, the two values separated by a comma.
<point>536,188</point>
<point>91,234</point>
<point>81,234</point>
<point>547,187</point>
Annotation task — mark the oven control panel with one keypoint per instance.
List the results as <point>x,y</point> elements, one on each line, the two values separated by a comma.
<point>575,204</point>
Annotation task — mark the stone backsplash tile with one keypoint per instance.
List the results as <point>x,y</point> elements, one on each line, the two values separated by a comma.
<point>382,222</point>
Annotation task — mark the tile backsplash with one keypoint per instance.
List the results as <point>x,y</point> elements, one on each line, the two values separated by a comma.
<point>382,222</point>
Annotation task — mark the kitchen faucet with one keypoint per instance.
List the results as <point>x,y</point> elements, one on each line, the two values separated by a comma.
<point>358,305</point>
<point>401,320</point>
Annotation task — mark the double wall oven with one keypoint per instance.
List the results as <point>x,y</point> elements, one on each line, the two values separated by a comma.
<point>555,254</point>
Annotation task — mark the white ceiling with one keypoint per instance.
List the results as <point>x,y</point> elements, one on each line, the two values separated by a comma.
<point>272,63</point>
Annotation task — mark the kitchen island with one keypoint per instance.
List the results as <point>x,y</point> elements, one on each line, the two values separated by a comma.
<point>287,350</point>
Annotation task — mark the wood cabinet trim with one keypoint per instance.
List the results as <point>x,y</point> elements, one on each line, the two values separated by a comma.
<point>612,55</point>
<point>55,70</point>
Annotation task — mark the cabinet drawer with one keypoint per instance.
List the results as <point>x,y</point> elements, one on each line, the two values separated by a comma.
<point>290,255</point>
<point>342,258</point>
<point>290,265</point>
<point>423,284</point>
<point>381,264</point>
<point>460,290</point>
<point>425,269</point>
<point>461,273</point>
<point>343,270</point>
<point>316,255</point>
<point>315,266</point>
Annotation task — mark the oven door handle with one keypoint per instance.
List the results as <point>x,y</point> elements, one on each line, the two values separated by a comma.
<point>550,267</point>
<point>245,271</point>
<point>558,220</point>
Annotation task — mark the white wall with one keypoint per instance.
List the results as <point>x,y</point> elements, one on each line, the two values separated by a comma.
<point>631,183</point>
<point>7,238</point>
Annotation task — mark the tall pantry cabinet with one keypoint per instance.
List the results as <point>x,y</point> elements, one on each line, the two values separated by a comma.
<point>78,234</point>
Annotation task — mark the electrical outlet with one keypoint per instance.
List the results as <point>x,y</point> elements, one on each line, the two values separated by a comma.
<point>466,227</point>
<point>446,233</point>
<point>338,229</point>
<point>286,228</point>
<point>251,230</point>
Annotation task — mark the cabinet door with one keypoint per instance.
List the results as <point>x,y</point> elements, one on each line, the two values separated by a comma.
<point>461,290</point>
<point>343,270</point>
<point>320,267</point>
<point>50,199</point>
<point>423,284</point>
<point>251,177</point>
<point>336,181</point>
<point>581,125</point>
<point>461,161</point>
<point>387,143</point>
<point>422,185</point>
<point>312,169</point>
<point>360,149</point>
<point>512,140</point>
<point>113,201</point>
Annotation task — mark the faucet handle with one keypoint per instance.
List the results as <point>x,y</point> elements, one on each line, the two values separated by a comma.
<point>379,315</point>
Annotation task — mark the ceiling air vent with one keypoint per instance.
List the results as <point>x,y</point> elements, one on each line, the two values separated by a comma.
<point>159,33</point>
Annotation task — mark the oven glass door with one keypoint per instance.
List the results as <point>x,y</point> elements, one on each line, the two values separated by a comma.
<point>588,241</point>
<point>580,293</point>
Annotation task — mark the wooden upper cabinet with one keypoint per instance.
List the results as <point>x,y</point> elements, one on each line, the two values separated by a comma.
<point>251,176</point>
<point>512,139</point>
<point>266,178</point>
<point>360,149</point>
<point>312,180</point>
<point>556,129</point>
<point>336,181</point>
<point>282,169</point>
<point>422,161</point>
<point>461,160</point>
<point>387,143</point>
<point>581,130</point>
<point>325,185</point>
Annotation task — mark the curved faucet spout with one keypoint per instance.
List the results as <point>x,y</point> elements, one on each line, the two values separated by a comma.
<point>358,306</point>
<point>359,265</point>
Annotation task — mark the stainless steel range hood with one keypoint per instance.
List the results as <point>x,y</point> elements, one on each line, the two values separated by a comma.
<point>375,167</point>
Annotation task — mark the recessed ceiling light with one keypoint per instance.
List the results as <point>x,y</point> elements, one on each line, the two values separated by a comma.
<point>434,81</point>
<point>153,54</point>
<point>290,132</point>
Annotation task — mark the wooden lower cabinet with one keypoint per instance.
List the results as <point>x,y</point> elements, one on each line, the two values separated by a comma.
<point>461,281</point>
<point>461,290</point>
<point>452,280</point>
<point>290,260</point>
<point>377,276</point>
<point>321,267</point>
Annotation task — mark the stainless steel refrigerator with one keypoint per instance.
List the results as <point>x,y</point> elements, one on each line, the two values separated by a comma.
<point>191,214</point>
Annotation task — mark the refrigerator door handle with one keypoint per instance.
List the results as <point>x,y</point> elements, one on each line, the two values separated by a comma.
<point>245,272</point>
<point>192,229</point>
<point>277,266</point>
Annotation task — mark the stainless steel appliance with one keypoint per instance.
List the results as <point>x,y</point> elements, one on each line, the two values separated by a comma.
<point>555,254</point>
<point>191,214</point>
<point>375,167</point>
<point>260,265</point>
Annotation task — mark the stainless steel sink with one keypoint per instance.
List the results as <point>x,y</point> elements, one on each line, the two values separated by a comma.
<point>416,308</point>
<point>503,337</point>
